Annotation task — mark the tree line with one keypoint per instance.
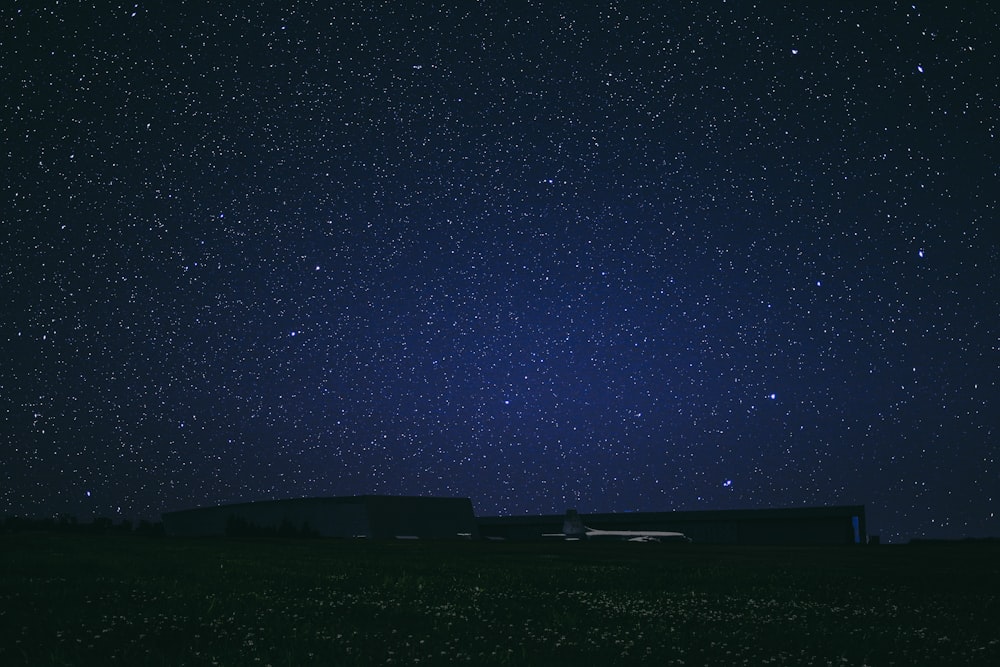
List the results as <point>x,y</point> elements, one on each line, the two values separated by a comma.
<point>70,524</point>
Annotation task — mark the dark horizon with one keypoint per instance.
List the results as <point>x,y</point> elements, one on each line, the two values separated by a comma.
<point>66,521</point>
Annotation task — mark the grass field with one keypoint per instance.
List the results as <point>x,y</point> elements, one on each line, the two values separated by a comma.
<point>81,600</point>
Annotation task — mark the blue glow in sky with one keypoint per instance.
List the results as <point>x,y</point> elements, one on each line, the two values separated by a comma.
<point>542,256</point>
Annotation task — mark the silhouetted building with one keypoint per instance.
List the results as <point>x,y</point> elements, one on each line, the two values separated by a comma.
<point>797,525</point>
<point>358,516</point>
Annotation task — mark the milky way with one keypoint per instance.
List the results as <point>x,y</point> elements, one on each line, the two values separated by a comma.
<point>543,255</point>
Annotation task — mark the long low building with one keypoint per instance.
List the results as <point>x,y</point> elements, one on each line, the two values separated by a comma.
<point>380,517</point>
<point>843,524</point>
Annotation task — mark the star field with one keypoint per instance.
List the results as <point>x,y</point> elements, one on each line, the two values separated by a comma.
<point>612,256</point>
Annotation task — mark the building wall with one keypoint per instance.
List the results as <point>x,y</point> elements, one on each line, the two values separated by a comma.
<point>800,525</point>
<point>361,516</point>
<point>446,518</point>
<point>425,517</point>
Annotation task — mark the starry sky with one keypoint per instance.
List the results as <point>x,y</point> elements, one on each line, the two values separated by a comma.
<point>616,256</point>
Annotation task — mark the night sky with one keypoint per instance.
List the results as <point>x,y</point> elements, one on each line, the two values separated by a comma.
<point>617,256</point>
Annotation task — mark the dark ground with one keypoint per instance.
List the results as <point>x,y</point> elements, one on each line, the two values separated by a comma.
<point>75,599</point>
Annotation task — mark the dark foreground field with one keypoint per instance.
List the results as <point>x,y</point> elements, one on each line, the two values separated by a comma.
<point>80,600</point>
